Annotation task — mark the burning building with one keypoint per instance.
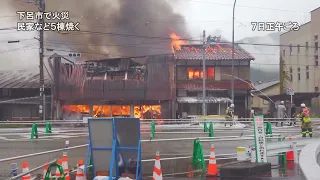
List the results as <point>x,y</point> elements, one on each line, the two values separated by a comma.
<point>188,59</point>
<point>141,87</point>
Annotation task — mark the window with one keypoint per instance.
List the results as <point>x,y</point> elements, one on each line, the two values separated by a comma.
<point>299,76</point>
<point>290,46</point>
<point>307,72</point>
<point>315,38</point>
<point>291,78</point>
<point>192,93</point>
<point>284,52</point>
<point>196,73</point>
<point>5,92</point>
<point>298,48</point>
<point>307,45</point>
<point>316,89</point>
<point>316,58</point>
<point>316,47</point>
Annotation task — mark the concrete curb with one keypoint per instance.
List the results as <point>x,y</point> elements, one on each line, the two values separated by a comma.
<point>308,161</point>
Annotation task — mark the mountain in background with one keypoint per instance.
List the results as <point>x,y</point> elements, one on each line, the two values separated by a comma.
<point>265,67</point>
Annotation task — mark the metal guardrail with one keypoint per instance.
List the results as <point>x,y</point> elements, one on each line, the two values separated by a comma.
<point>290,145</point>
<point>308,161</point>
<point>147,121</point>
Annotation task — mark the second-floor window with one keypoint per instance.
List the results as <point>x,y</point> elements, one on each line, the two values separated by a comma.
<point>307,72</point>
<point>196,73</point>
<point>299,75</point>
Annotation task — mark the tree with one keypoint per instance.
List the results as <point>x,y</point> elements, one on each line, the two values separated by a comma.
<point>284,75</point>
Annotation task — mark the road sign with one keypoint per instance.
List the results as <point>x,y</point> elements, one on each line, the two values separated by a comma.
<point>290,91</point>
<point>260,139</point>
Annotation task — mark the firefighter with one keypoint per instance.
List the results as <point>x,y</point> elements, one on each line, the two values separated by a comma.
<point>306,125</point>
<point>229,114</point>
<point>281,112</point>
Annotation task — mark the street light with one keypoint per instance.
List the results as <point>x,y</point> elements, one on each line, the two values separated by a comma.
<point>232,63</point>
<point>206,43</point>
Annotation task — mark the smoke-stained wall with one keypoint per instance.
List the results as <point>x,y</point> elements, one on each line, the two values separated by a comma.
<point>74,85</point>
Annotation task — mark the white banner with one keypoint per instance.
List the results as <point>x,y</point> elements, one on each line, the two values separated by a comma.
<point>260,139</point>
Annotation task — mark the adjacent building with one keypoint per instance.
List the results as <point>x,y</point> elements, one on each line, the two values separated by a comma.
<point>189,76</point>
<point>264,90</point>
<point>19,95</point>
<point>301,58</point>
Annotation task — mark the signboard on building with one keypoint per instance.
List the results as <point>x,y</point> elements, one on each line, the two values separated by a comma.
<point>290,91</point>
<point>260,139</point>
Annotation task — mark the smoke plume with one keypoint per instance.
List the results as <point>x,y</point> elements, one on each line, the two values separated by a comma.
<point>114,19</point>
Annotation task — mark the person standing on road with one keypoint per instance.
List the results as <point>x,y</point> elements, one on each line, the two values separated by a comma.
<point>306,125</point>
<point>229,115</point>
<point>281,112</point>
<point>293,114</point>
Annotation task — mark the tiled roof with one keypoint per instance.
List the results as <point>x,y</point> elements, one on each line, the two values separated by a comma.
<point>213,52</point>
<point>22,79</point>
<point>265,85</point>
<point>225,84</point>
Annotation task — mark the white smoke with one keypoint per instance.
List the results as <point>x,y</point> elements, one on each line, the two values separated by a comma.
<point>16,56</point>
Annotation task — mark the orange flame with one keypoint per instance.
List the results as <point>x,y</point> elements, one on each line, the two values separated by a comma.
<point>176,42</point>
<point>142,112</point>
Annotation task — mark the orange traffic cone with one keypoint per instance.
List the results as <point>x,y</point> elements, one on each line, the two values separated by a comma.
<point>80,171</point>
<point>25,168</point>
<point>65,165</point>
<point>58,174</point>
<point>45,171</point>
<point>157,172</point>
<point>290,154</point>
<point>190,170</point>
<point>212,166</point>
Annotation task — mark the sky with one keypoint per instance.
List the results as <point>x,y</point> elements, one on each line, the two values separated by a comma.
<point>214,16</point>
<point>211,15</point>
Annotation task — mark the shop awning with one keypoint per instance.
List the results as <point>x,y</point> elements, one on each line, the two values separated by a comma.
<point>207,100</point>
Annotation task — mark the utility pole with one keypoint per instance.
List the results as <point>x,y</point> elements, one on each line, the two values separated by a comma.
<point>41,57</point>
<point>206,42</point>
<point>204,74</point>
<point>232,63</point>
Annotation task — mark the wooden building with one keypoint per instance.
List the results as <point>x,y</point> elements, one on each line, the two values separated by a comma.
<point>19,95</point>
<point>138,87</point>
<point>189,75</point>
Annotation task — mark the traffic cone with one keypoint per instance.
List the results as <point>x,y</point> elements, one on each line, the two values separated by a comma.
<point>212,166</point>
<point>290,154</point>
<point>157,172</point>
<point>45,171</point>
<point>190,170</point>
<point>25,168</point>
<point>58,174</point>
<point>80,172</point>
<point>65,166</point>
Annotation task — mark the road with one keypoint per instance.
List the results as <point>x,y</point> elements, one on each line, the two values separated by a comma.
<point>15,142</point>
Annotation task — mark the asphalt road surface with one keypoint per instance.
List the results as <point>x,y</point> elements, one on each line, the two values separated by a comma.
<point>16,142</point>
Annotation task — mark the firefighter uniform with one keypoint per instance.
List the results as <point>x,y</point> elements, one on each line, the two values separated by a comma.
<point>306,125</point>
<point>229,114</point>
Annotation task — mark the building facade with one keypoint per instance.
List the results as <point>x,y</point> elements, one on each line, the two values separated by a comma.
<point>19,96</point>
<point>260,105</point>
<point>140,87</point>
<point>301,56</point>
<point>189,76</point>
